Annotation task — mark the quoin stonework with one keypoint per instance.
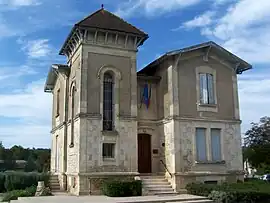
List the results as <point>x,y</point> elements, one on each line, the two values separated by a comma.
<point>177,117</point>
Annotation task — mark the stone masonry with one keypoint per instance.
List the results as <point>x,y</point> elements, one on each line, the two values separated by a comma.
<point>170,121</point>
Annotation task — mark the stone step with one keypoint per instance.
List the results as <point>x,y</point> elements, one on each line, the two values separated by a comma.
<point>151,177</point>
<point>155,181</point>
<point>160,189</point>
<point>167,193</point>
<point>157,186</point>
<point>195,201</point>
<point>54,183</point>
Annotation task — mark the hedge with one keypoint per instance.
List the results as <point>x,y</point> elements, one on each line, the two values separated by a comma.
<point>122,188</point>
<point>13,195</point>
<point>249,192</point>
<point>20,180</point>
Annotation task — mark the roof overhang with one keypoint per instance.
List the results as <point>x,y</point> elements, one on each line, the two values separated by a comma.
<point>77,27</point>
<point>54,71</point>
<point>240,64</point>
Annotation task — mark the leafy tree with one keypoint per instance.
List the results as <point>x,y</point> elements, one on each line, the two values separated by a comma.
<point>30,165</point>
<point>257,144</point>
<point>37,159</point>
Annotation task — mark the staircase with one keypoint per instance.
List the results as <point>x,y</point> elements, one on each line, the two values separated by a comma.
<point>157,185</point>
<point>54,184</point>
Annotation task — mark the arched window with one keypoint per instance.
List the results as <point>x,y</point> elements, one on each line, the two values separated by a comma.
<point>73,94</point>
<point>108,102</point>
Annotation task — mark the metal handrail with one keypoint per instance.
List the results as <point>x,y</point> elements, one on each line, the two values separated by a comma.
<point>166,168</point>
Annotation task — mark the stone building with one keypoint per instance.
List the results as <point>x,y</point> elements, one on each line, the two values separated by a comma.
<point>177,117</point>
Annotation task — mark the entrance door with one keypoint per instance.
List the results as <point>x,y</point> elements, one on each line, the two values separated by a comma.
<point>144,153</point>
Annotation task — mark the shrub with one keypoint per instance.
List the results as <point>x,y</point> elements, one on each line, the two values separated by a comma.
<point>230,193</point>
<point>2,183</point>
<point>122,188</point>
<point>22,180</point>
<point>13,195</point>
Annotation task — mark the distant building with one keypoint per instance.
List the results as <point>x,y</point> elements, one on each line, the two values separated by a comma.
<point>20,164</point>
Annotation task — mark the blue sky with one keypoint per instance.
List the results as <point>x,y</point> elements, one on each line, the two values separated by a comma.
<point>32,32</point>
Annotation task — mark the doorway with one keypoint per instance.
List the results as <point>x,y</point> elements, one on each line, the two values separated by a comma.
<point>144,153</point>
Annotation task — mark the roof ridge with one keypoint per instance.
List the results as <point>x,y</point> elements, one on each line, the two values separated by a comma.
<point>89,16</point>
<point>112,14</point>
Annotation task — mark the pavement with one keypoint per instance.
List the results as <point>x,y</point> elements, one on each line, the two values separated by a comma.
<point>105,199</point>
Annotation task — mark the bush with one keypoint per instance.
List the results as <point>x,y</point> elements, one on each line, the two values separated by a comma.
<point>230,193</point>
<point>122,188</point>
<point>22,180</point>
<point>2,183</point>
<point>13,195</point>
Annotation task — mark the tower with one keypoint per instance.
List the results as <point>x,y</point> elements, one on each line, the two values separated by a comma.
<point>101,104</point>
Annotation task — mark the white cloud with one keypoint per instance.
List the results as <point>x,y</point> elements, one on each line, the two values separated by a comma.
<point>152,7</point>
<point>36,48</point>
<point>244,30</point>
<point>254,96</point>
<point>198,21</point>
<point>32,107</point>
<point>18,3</point>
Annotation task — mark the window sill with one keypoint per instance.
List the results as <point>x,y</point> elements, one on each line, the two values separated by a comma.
<point>211,162</point>
<point>109,159</point>
<point>110,133</point>
<point>208,105</point>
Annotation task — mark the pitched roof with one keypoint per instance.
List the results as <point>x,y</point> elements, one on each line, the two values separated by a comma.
<point>52,75</point>
<point>242,65</point>
<point>103,19</point>
<point>106,20</point>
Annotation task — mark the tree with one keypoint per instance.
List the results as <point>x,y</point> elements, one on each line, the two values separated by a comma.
<point>30,165</point>
<point>257,144</point>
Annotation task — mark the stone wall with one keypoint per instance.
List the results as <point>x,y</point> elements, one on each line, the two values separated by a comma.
<point>73,152</point>
<point>92,139</point>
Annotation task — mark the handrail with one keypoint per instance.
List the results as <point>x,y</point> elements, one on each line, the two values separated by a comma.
<point>166,168</point>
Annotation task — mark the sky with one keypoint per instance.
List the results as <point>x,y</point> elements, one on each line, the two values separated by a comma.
<point>32,32</point>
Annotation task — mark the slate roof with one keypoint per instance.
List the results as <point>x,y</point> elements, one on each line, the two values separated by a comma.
<point>103,19</point>
<point>106,20</point>
<point>225,54</point>
<point>52,75</point>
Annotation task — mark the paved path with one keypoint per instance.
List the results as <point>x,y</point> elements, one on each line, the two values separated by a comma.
<point>104,199</point>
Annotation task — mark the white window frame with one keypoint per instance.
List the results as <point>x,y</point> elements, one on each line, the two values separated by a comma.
<point>208,128</point>
<point>207,89</point>
<point>200,106</point>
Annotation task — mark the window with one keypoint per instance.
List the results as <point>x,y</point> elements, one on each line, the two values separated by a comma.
<point>108,150</point>
<point>201,144</point>
<point>215,144</point>
<point>73,94</point>
<point>108,102</point>
<point>58,102</point>
<point>207,88</point>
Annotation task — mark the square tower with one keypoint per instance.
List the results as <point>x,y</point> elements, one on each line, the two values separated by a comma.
<point>94,132</point>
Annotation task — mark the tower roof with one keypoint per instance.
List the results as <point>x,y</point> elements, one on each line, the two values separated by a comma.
<point>106,20</point>
<point>103,19</point>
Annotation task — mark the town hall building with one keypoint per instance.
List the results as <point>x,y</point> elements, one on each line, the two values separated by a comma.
<point>176,119</point>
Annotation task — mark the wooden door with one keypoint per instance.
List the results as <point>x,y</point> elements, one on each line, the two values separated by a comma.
<point>144,153</point>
